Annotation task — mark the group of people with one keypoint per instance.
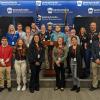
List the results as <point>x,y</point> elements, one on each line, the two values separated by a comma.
<point>20,49</point>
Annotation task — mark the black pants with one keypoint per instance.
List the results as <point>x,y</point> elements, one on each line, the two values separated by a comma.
<point>60,75</point>
<point>34,79</point>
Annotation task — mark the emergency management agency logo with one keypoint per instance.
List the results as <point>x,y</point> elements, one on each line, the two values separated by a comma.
<point>9,10</point>
<point>79,3</point>
<point>90,10</point>
<point>50,10</point>
<point>38,3</point>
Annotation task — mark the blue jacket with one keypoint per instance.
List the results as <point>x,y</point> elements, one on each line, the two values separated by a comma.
<point>12,38</point>
<point>54,36</point>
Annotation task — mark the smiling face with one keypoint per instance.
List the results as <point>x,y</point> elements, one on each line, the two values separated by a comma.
<point>60,41</point>
<point>28,30</point>
<point>43,28</point>
<point>4,42</point>
<point>66,28</point>
<point>49,28</point>
<point>36,38</point>
<point>57,28</point>
<point>74,41</point>
<point>33,25</point>
<point>20,42</point>
<point>11,29</point>
<point>93,27</point>
<point>73,32</point>
<point>19,27</point>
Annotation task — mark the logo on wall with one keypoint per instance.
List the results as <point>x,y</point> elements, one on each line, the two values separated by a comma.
<point>38,3</point>
<point>90,10</point>
<point>79,3</point>
<point>9,10</point>
<point>50,10</point>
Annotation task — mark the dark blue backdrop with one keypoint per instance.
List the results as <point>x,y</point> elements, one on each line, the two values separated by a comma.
<point>51,11</point>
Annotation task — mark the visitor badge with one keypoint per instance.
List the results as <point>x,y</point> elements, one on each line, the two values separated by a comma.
<point>59,58</point>
<point>74,59</point>
<point>38,56</point>
<point>90,41</point>
<point>28,45</point>
<point>69,45</point>
<point>13,43</point>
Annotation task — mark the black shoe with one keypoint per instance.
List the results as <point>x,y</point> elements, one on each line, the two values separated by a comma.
<point>9,89</point>
<point>78,89</point>
<point>62,89</point>
<point>31,90</point>
<point>37,88</point>
<point>93,88</point>
<point>74,88</point>
<point>1,89</point>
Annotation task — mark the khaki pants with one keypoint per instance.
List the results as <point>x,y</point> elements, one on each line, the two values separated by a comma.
<point>20,68</point>
<point>95,73</point>
<point>5,71</point>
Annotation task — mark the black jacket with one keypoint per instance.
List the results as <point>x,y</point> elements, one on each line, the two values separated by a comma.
<point>93,37</point>
<point>33,53</point>
<point>96,50</point>
<point>79,55</point>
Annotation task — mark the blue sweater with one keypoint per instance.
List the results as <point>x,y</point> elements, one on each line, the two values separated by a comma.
<point>54,36</point>
<point>12,38</point>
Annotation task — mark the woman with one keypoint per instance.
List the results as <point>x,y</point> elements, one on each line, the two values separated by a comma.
<point>86,56</point>
<point>36,57</point>
<point>75,55</point>
<point>28,37</point>
<point>59,56</point>
<point>12,35</point>
<point>20,63</point>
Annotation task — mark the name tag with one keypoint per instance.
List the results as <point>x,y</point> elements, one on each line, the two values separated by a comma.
<point>74,59</point>
<point>38,56</point>
<point>59,58</point>
<point>28,45</point>
<point>90,41</point>
<point>13,43</point>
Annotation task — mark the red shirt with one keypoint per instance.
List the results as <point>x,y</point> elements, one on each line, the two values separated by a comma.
<point>6,53</point>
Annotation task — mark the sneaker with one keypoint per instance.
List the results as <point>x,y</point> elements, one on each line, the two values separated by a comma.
<point>62,89</point>
<point>93,88</point>
<point>31,90</point>
<point>56,88</point>
<point>24,88</point>
<point>19,88</point>
<point>74,88</point>
<point>9,89</point>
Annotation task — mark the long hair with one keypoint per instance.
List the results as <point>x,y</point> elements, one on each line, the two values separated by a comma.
<point>33,43</point>
<point>16,48</point>
<point>62,41</point>
<point>80,31</point>
<point>9,28</point>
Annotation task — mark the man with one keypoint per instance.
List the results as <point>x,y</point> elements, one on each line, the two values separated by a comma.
<point>50,48</point>
<point>91,36</point>
<point>22,34</point>
<point>5,63</point>
<point>34,29</point>
<point>58,33</point>
<point>95,63</point>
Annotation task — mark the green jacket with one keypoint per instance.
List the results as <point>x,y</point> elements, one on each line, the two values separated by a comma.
<point>63,56</point>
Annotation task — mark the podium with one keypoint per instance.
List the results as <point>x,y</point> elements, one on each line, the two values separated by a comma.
<point>49,72</point>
